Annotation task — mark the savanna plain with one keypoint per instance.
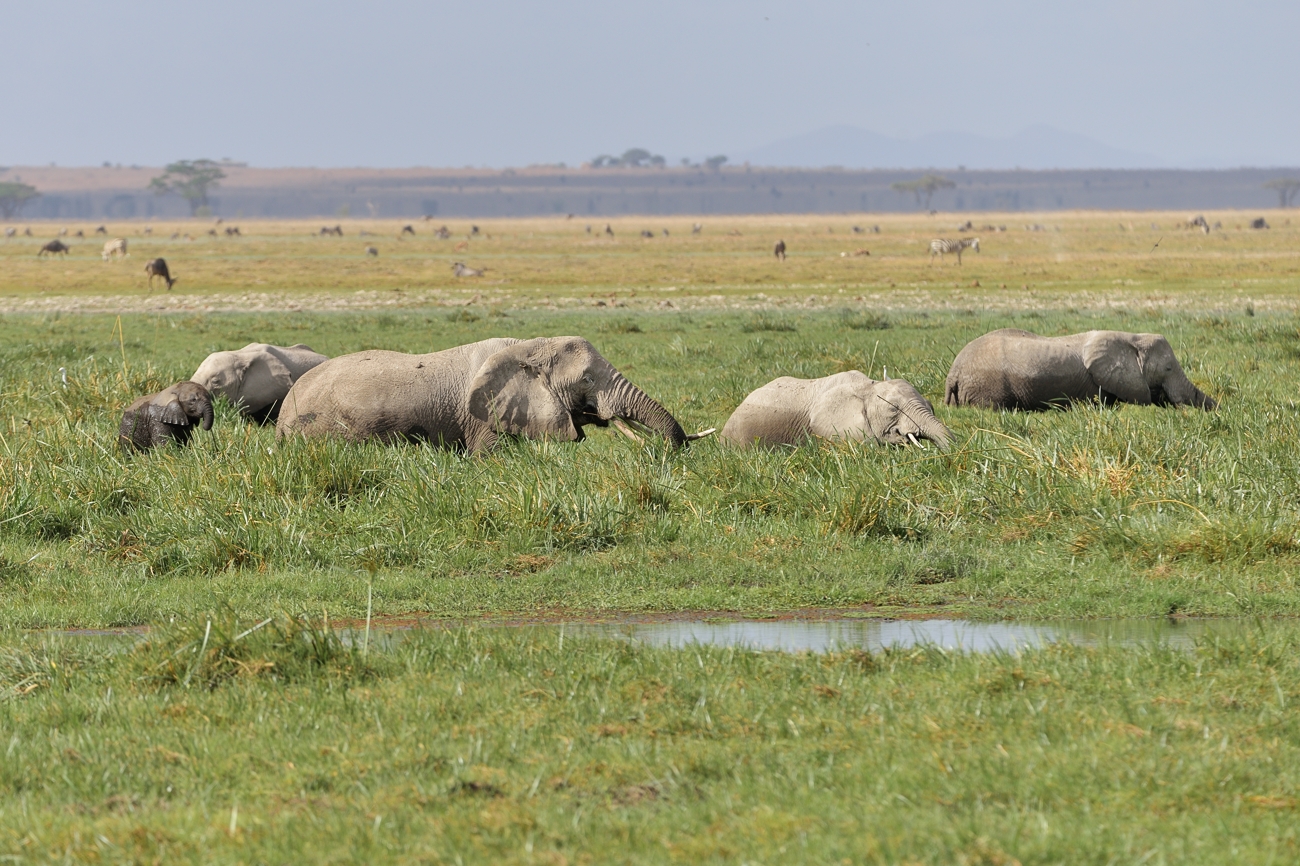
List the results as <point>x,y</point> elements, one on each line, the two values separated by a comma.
<point>244,725</point>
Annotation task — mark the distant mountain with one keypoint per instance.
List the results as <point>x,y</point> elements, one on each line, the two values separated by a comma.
<point>1037,147</point>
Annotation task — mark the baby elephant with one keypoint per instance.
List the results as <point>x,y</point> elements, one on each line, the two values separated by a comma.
<point>787,411</point>
<point>169,414</point>
<point>1014,369</point>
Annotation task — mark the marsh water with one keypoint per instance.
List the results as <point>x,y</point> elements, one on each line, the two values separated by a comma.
<point>830,633</point>
<point>949,634</point>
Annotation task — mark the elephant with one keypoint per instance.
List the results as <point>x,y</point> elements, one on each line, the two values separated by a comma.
<point>1014,369</point>
<point>256,377</point>
<point>466,397</point>
<point>169,414</point>
<point>849,405</point>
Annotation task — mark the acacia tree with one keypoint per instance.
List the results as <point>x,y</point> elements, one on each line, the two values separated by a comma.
<point>13,196</point>
<point>1286,189</point>
<point>190,179</point>
<point>926,186</point>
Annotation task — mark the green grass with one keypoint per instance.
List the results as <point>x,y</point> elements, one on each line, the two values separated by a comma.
<point>1093,512</point>
<point>493,745</point>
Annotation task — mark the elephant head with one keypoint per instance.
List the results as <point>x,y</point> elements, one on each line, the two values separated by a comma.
<point>184,403</point>
<point>1140,368</point>
<point>892,411</point>
<point>257,377</point>
<point>552,386</point>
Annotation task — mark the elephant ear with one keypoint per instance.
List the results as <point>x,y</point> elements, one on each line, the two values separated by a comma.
<point>1113,363</point>
<point>172,412</point>
<point>839,413</point>
<point>512,394</point>
<point>265,380</point>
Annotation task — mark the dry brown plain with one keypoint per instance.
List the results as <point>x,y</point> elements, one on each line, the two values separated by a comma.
<point>1077,260</point>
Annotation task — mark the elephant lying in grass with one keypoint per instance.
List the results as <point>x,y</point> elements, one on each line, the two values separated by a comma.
<point>168,415</point>
<point>1014,369</point>
<point>256,377</point>
<point>548,387</point>
<point>850,405</point>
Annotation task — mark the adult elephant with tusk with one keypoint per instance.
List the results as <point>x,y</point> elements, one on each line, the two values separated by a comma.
<point>1015,369</point>
<point>546,388</point>
<point>849,405</point>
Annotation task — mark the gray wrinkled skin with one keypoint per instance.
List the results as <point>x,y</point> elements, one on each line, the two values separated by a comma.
<point>546,388</point>
<point>168,416</point>
<point>1015,369</point>
<point>257,377</point>
<point>849,405</point>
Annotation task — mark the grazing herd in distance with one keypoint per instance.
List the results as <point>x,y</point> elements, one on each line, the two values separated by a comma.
<point>552,387</point>
<point>469,397</point>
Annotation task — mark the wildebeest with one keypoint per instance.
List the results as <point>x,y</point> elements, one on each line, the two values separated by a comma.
<point>212,232</point>
<point>114,249</point>
<point>609,230</point>
<point>337,231</point>
<point>646,233</point>
<point>443,233</point>
<point>158,268</point>
<point>54,246</point>
<point>406,230</point>
<point>779,250</point>
<point>1258,223</point>
<point>473,231</point>
<point>461,270</point>
<point>102,230</point>
<point>233,232</point>
<point>372,251</point>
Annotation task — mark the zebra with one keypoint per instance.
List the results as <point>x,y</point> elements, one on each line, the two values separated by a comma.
<point>940,246</point>
<point>114,248</point>
<point>461,270</point>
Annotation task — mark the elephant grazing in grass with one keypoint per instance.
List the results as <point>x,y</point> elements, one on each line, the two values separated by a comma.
<point>257,377</point>
<point>168,415</point>
<point>850,405</point>
<point>466,397</point>
<point>1014,369</point>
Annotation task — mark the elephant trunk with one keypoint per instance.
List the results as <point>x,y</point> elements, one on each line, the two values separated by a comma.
<point>932,428</point>
<point>1184,393</point>
<point>622,399</point>
<point>1201,400</point>
<point>207,415</point>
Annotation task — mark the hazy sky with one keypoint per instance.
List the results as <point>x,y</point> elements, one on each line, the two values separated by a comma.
<point>478,82</point>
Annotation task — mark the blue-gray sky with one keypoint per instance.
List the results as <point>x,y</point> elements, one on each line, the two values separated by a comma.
<point>496,83</point>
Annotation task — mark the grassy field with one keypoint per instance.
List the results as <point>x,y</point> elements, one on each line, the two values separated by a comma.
<point>490,745</point>
<point>212,743</point>
<point>1094,512</point>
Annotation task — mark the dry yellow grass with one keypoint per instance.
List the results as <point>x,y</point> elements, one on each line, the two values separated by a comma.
<point>1082,260</point>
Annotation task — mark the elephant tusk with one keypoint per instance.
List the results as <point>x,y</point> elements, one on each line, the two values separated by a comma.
<point>911,437</point>
<point>691,437</point>
<point>625,430</point>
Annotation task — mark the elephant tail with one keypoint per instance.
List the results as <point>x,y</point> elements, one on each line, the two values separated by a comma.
<point>950,397</point>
